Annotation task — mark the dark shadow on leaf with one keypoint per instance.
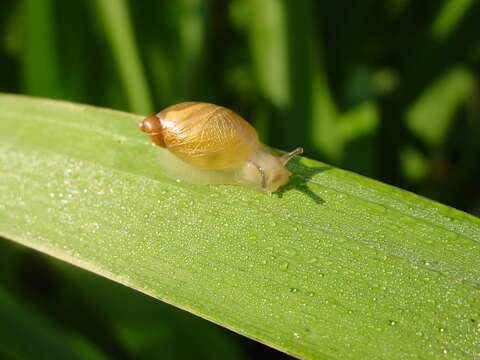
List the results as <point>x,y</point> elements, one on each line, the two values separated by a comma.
<point>300,179</point>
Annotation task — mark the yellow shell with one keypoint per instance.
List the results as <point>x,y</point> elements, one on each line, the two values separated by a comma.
<point>207,136</point>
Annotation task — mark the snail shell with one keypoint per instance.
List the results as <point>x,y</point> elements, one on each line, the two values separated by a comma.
<point>218,141</point>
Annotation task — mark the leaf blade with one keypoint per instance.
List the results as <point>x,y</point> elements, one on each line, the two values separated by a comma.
<point>302,270</point>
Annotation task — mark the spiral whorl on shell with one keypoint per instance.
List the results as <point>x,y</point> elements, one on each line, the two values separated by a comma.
<point>204,135</point>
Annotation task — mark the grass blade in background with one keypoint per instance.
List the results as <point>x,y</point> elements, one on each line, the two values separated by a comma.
<point>437,106</point>
<point>334,266</point>
<point>268,46</point>
<point>287,55</point>
<point>325,134</point>
<point>191,20</point>
<point>119,31</point>
<point>40,63</point>
<point>267,30</point>
<point>449,16</point>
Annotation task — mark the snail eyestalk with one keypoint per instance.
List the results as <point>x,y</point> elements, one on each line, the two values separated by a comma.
<point>288,156</point>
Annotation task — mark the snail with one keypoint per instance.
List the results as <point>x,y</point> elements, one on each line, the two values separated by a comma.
<point>215,145</point>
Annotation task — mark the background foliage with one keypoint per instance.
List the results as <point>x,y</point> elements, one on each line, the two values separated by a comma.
<point>389,89</point>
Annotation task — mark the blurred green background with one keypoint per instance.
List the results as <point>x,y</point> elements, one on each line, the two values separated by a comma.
<point>389,89</point>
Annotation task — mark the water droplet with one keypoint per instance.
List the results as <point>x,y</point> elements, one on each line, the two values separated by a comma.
<point>392,322</point>
<point>284,266</point>
<point>93,227</point>
<point>296,335</point>
<point>293,290</point>
<point>445,351</point>
<point>311,293</point>
<point>441,330</point>
<point>341,240</point>
<point>291,252</point>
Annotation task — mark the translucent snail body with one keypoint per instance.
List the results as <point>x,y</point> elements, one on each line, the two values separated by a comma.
<point>215,145</point>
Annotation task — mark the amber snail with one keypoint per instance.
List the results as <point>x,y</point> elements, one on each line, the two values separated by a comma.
<point>216,146</point>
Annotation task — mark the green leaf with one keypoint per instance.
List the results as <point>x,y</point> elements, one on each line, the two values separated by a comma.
<point>334,266</point>
<point>433,113</point>
<point>40,61</point>
<point>116,19</point>
<point>449,16</point>
<point>414,164</point>
<point>268,44</point>
<point>280,38</point>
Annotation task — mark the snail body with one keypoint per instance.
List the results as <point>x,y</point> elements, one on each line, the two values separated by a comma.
<point>219,144</point>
